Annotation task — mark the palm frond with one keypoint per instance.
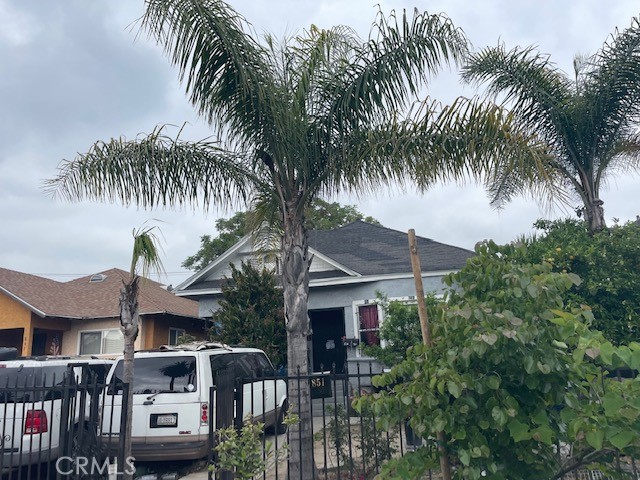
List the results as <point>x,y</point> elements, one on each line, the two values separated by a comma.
<point>147,250</point>
<point>612,92</point>
<point>154,171</point>
<point>533,88</point>
<point>388,71</point>
<point>229,78</point>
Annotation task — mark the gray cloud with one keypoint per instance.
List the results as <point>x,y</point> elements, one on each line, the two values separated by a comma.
<point>73,72</point>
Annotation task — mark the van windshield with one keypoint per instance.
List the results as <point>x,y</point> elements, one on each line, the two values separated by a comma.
<point>161,374</point>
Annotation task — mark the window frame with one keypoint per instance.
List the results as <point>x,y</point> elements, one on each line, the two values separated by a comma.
<point>181,331</point>
<point>102,333</point>
<point>408,299</point>
<point>356,319</point>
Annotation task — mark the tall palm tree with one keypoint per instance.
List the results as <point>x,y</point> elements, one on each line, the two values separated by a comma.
<point>589,122</point>
<point>313,115</point>
<point>145,257</point>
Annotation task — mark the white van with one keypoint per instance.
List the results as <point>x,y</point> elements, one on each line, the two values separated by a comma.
<point>171,386</point>
<point>31,397</point>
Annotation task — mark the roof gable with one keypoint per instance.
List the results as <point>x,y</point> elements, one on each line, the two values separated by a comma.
<point>81,298</point>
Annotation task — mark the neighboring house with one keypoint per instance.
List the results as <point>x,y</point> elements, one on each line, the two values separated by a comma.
<point>349,266</point>
<point>40,316</point>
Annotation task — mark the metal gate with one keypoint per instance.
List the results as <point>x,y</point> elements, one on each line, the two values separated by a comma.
<point>50,428</point>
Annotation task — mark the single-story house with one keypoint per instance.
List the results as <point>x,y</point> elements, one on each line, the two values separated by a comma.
<point>40,316</point>
<point>349,266</point>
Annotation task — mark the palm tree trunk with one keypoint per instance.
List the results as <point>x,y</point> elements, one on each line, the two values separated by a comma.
<point>129,325</point>
<point>595,215</point>
<point>295,283</point>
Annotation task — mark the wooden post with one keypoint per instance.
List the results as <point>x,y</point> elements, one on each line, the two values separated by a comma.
<point>445,468</point>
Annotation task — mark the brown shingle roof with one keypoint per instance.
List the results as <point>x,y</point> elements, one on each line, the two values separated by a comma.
<point>81,298</point>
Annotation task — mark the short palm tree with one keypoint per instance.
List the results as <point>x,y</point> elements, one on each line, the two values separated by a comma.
<point>145,257</point>
<point>589,123</point>
<point>314,115</point>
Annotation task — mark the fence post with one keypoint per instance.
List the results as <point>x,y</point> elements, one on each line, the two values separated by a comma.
<point>225,382</point>
<point>123,429</point>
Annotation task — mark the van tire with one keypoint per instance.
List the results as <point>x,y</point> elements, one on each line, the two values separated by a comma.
<point>280,427</point>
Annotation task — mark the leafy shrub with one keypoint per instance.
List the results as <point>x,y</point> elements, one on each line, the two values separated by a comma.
<point>513,373</point>
<point>608,262</point>
<point>252,313</point>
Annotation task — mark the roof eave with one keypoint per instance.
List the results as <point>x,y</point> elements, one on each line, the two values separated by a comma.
<point>23,302</point>
<point>205,271</point>
<point>334,263</point>
<point>328,282</point>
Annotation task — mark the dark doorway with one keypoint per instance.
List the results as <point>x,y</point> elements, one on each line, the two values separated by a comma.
<point>328,330</point>
<point>39,345</point>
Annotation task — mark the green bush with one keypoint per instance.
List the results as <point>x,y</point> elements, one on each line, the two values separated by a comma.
<point>513,373</point>
<point>242,452</point>
<point>360,447</point>
<point>608,262</point>
<point>252,313</point>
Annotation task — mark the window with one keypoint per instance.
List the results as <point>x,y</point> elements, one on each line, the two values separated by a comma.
<point>174,335</point>
<point>369,324</point>
<point>101,342</point>
<point>173,374</point>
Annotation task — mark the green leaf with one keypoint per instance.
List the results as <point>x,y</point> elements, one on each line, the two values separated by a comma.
<point>623,439</point>
<point>575,279</point>
<point>544,368</point>
<point>595,439</point>
<point>493,382</point>
<point>454,389</point>
<point>635,359</point>
<point>612,403</point>
<point>529,364</point>
<point>464,456</point>
<point>578,355</point>
<point>499,416</point>
<point>606,352</point>
<point>519,431</point>
<point>489,338</point>
<point>541,418</point>
<point>543,434</point>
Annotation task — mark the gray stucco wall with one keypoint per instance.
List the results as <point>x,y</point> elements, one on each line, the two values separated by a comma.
<point>343,296</point>
<point>207,305</point>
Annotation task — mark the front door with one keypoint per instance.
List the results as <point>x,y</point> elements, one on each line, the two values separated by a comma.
<point>328,349</point>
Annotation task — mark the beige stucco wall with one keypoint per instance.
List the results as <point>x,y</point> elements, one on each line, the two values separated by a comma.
<point>70,345</point>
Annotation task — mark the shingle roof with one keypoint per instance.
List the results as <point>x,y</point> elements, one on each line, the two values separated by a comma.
<point>81,298</point>
<point>375,250</point>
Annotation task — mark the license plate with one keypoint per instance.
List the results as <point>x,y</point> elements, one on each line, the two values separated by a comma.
<point>167,420</point>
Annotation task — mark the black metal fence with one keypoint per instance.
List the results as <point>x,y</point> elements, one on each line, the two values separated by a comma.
<point>346,444</point>
<point>50,426</point>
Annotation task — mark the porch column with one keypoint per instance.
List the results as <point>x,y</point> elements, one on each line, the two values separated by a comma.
<point>27,339</point>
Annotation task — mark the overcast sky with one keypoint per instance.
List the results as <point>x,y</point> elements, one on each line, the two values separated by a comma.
<point>74,72</point>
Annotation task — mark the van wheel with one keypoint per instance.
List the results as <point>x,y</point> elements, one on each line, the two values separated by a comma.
<point>281,427</point>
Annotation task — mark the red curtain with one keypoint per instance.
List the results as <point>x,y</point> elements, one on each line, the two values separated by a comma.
<point>369,324</point>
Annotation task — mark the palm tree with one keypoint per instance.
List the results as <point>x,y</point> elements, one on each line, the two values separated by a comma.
<point>589,123</point>
<point>145,257</point>
<point>313,115</point>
